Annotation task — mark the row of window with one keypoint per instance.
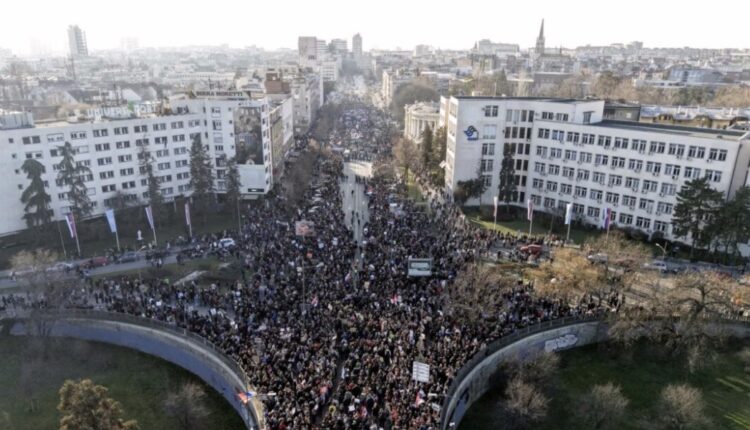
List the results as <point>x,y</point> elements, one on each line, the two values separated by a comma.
<point>638,145</point>
<point>118,131</point>
<point>594,212</point>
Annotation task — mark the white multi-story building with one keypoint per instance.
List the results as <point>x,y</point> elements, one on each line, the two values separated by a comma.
<point>339,46</point>
<point>563,152</point>
<point>357,45</point>
<point>392,79</point>
<point>308,51</point>
<point>77,42</point>
<point>419,116</point>
<point>330,69</point>
<point>307,95</point>
<point>111,148</point>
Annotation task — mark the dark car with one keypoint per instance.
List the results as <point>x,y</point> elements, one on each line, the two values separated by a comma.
<point>98,261</point>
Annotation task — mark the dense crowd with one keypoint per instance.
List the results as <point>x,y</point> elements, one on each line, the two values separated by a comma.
<point>327,327</point>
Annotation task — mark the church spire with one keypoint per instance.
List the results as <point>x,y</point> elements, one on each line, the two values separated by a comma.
<point>540,41</point>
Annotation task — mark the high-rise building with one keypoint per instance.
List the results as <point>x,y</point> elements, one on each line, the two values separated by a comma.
<point>77,42</point>
<point>540,41</point>
<point>322,49</point>
<point>308,51</point>
<point>339,46</point>
<point>357,45</point>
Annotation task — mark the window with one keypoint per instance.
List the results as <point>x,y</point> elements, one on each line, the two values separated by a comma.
<point>215,110</point>
<point>568,172</point>
<point>140,129</point>
<point>570,155</point>
<point>543,133</point>
<point>583,175</point>
<point>487,149</point>
<point>57,137</point>
<point>194,123</point>
<point>581,191</point>
<point>125,158</point>
<point>601,160</point>
<point>592,212</point>
<point>646,204</point>
<point>216,125</point>
<point>178,138</point>
<point>588,139</point>
<point>101,147</point>
<point>162,153</point>
<point>632,182</point>
<point>561,117</point>
<point>127,172</point>
<point>487,180</point>
<point>180,150</point>
<point>595,195</point>
<point>181,163</point>
<point>664,208</point>
<point>713,175</point>
<point>716,154</point>
<point>585,157</point>
<point>618,162</point>
<point>625,219</point>
<point>163,166</point>
<point>549,203</point>
<point>109,188</point>
<point>121,130</point>
<point>177,124</point>
<point>615,180</point>
<point>668,189</point>
<point>75,135</point>
<point>183,175</point>
<point>106,175</point>
<point>541,151</point>
<point>613,198</point>
<point>159,127</point>
<point>122,145</point>
<point>652,167</point>
<point>539,167</point>
<point>573,137</point>
<point>141,142</point>
<point>671,170</point>
<point>160,140</point>
<point>128,185</point>
<point>548,115</point>
<point>628,201</point>
<point>696,152</point>
<point>104,161</point>
<point>635,165</point>
<point>599,177</point>
<point>566,188</point>
<point>537,183</point>
<point>643,223</point>
<point>83,163</point>
<point>692,172</point>
<point>587,117</point>
<point>558,135</point>
<point>487,165</point>
<point>638,145</point>
<point>604,141</point>
<point>656,147</point>
<point>649,186</point>
<point>555,153</point>
<point>621,143</point>
<point>660,226</point>
<point>54,153</point>
<point>101,133</point>
<point>554,169</point>
<point>490,132</point>
<point>490,111</point>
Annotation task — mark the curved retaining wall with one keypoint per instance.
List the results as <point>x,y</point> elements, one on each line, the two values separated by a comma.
<point>476,377</point>
<point>165,341</point>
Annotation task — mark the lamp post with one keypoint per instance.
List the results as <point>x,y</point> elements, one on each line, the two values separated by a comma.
<point>301,272</point>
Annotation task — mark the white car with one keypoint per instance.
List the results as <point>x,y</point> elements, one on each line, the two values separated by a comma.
<point>227,242</point>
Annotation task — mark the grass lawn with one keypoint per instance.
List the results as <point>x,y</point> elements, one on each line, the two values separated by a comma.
<point>540,228</point>
<point>138,381</point>
<point>725,386</point>
<point>413,191</point>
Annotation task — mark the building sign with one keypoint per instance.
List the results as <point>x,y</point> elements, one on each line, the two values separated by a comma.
<point>420,266</point>
<point>562,342</point>
<point>471,133</point>
<point>420,372</point>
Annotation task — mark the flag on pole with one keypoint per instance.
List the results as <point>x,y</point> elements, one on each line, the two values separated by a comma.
<point>420,398</point>
<point>494,200</point>
<point>110,213</point>
<point>568,213</point>
<point>187,214</point>
<point>245,396</point>
<point>71,225</point>
<point>529,210</point>
<point>150,217</point>
<point>607,216</point>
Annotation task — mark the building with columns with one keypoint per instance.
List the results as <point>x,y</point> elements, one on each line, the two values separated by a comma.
<point>419,116</point>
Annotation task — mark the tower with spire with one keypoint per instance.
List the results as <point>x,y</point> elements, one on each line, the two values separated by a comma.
<point>539,51</point>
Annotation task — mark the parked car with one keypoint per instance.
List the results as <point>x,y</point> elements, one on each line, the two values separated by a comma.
<point>98,261</point>
<point>61,267</point>
<point>227,242</point>
<point>129,257</point>
<point>656,265</point>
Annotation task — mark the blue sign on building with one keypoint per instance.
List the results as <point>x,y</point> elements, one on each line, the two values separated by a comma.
<point>471,133</point>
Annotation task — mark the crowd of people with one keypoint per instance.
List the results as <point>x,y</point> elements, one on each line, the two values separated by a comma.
<point>327,327</point>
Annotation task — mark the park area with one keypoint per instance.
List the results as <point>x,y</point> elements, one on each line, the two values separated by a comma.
<point>641,372</point>
<point>141,383</point>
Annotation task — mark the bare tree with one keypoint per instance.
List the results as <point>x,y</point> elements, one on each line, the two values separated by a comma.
<point>406,155</point>
<point>538,369</point>
<point>188,406</point>
<point>682,407</point>
<point>525,403</point>
<point>569,275</point>
<point>477,293</point>
<point>602,408</point>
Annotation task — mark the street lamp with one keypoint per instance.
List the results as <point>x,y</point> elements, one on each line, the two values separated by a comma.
<point>301,272</point>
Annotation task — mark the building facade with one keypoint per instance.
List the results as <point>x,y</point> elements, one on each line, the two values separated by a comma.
<point>77,42</point>
<point>419,116</point>
<point>113,150</point>
<point>564,152</point>
<point>357,45</point>
<point>308,51</point>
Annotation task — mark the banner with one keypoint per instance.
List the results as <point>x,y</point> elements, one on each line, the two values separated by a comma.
<point>494,200</point>
<point>568,213</point>
<point>150,217</point>
<point>304,228</point>
<point>529,210</point>
<point>110,213</point>
<point>71,225</point>
<point>187,214</point>
<point>607,216</point>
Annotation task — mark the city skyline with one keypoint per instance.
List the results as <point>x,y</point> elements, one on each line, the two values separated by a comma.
<point>586,24</point>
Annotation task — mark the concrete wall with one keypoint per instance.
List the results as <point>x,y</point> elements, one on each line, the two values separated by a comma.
<point>478,375</point>
<point>187,352</point>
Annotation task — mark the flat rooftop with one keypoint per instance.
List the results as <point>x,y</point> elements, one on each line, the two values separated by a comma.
<point>708,133</point>
<point>540,99</point>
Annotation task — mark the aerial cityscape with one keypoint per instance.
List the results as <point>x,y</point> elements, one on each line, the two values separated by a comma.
<point>389,225</point>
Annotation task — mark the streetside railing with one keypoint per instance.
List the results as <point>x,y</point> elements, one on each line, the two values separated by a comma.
<point>517,335</point>
<point>255,408</point>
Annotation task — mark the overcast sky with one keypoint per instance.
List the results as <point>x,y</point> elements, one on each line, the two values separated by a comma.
<point>382,23</point>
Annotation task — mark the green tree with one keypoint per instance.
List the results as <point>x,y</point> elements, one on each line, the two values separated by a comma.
<point>74,175</point>
<point>86,406</point>
<point>427,147</point>
<point>234,187</point>
<point>201,175</point>
<point>440,145</point>
<point>508,186</point>
<point>409,93</point>
<point>731,226</point>
<point>36,212</point>
<point>155,198</point>
<point>697,205</point>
